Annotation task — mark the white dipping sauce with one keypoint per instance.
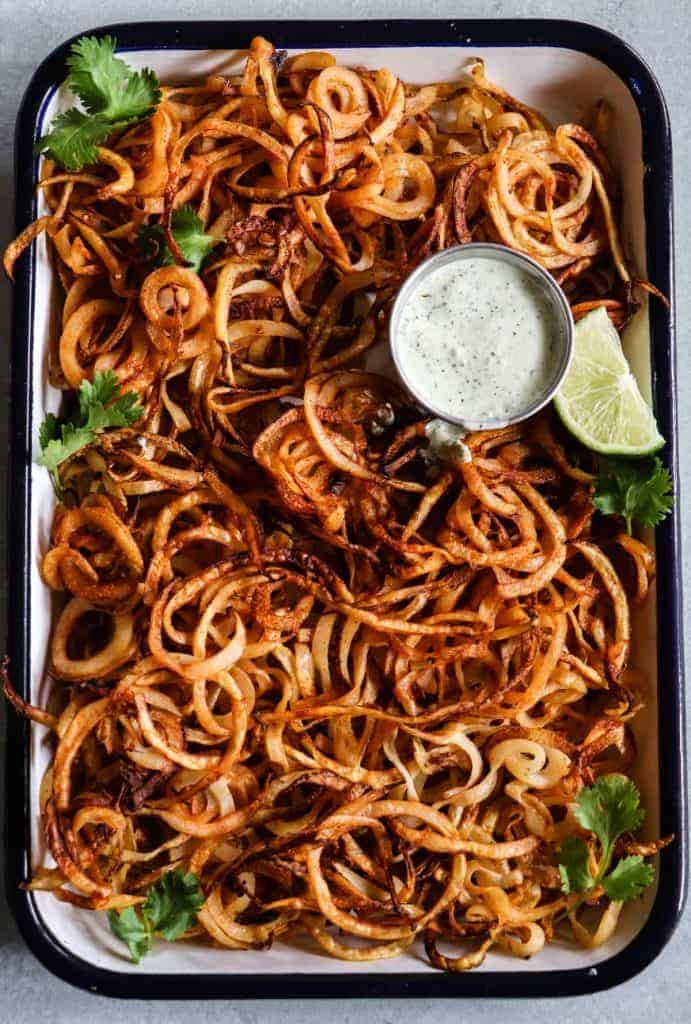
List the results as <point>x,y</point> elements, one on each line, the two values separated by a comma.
<point>477,339</point>
<point>445,442</point>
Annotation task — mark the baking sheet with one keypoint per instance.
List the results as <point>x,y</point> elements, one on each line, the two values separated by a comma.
<point>562,83</point>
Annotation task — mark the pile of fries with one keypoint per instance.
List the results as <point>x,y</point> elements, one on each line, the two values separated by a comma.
<point>351,689</point>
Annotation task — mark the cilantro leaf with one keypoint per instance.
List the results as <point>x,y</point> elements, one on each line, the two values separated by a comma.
<point>188,232</point>
<point>132,929</point>
<point>100,406</point>
<point>95,73</point>
<point>73,139</point>
<point>113,94</point>
<point>58,451</point>
<point>139,98</point>
<point>609,808</point>
<point>102,389</point>
<point>49,430</point>
<point>170,909</point>
<point>106,85</point>
<point>628,879</point>
<point>121,413</point>
<point>172,904</point>
<point>636,490</point>
<point>573,859</point>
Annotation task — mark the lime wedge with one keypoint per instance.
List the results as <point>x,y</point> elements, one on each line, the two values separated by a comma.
<point>599,400</point>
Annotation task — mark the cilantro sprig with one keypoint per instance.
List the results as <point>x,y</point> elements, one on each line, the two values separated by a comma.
<point>608,809</point>
<point>188,232</point>
<point>112,94</point>
<point>640,491</point>
<point>169,910</point>
<point>101,405</point>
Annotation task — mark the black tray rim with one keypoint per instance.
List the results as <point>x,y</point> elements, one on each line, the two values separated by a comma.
<point>657,156</point>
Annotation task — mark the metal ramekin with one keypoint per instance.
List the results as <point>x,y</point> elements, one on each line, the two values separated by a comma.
<point>487,250</point>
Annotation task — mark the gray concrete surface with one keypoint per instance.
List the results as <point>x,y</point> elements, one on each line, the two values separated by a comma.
<point>661,31</point>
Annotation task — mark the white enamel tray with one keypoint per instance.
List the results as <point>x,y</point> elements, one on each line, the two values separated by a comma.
<point>562,69</point>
